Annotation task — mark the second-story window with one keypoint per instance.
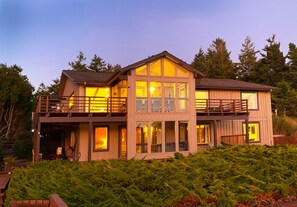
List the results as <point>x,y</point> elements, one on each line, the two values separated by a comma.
<point>96,99</point>
<point>169,92</point>
<point>141,96</point>
<point>156,96</point>
<point>183,96</point>
<point>201,99</point>
<point>252,98</point>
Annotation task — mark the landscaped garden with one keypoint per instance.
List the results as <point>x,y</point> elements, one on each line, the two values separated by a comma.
<point>221,176</point>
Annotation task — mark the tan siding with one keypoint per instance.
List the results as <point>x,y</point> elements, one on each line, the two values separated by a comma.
<point>83,141</point>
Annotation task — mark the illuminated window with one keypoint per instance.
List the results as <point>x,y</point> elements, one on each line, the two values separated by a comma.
<point>183,73</point>
<point>183,95</point>
<point>169,90</point>
<point>253,128</point>
<point>252,99</point>
<point>141,96</point>
<point>96,99</point>
<point>156,96</point>
<point>101,138</point>
<point>155,68</point>
<point>201,99</point>
<point>156,136</point>
<point>71,101</point>
<point>169,68</point>
<point>141,137</point>
<point>141,70</point>
<point>203,133</point>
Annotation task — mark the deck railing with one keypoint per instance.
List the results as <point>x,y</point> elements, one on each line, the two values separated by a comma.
<point>221,106</point>
<point>81,104</point>
<point>233,139</point>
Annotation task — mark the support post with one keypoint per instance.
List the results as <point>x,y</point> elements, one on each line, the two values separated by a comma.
<point>90,141</point>
<point>215,133</point>
<point>247,135</point>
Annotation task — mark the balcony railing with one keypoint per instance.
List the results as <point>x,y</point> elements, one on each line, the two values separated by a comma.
<point>221,106</point>
<point>233,139</point>
<point>81,104</point>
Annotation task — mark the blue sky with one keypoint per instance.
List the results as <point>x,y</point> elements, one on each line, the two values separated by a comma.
<point>42,36</point>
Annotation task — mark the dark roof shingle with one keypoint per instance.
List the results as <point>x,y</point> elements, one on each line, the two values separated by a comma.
<point>88,76</point>
<point>206,83</point>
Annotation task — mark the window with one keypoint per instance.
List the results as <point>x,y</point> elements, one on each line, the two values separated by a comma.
<point>253,128</point>
<point>141,70</point>
<point>183,94</point>
<point>141,137</point>
<point>169,90</point>
<point>170,136</point>
<point>155,68</point>
<point>156,136</point>
<point>169,68</point>
<point>101,138</point>
<point>201,99</point>
<point>252,99</point>
<point>183,136</point>
<point>71,101</point>
<point>96,99</point>
<point>183,73</point>
<point>141,96</point>
<point>156,96</point>
<point>203,133</point>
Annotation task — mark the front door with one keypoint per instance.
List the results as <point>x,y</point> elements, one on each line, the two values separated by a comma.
<point>123,142</point>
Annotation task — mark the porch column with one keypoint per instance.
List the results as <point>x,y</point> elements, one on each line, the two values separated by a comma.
<point>247,134</point>
<point>90,141</point>
<point>37,142</point>
<point>215,141</point>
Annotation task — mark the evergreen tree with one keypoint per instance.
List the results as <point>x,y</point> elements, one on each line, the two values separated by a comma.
<point>247,60</point>
<point>97,64</point>
<point>292,64</point>
<point>79,64</point>
<point>54,87</point>
<point>199,61</point>
<point>271,68</point>
<point>113,68</point>
<point>218,63</point>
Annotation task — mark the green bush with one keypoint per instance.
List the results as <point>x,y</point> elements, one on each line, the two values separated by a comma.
<point>220,176</point>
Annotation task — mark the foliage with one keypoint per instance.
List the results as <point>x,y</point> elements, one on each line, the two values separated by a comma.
<point>79,64</point>
<point>97,64</point>
<point>284,125</point>
<point>221,176</point>
<point>23,147</point>
<point>247,60</point>
<point>15,103</point>
<point>216,62</point>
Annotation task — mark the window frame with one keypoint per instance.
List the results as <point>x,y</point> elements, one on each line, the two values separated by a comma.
<point>209,128</point>
<point>94,139</point>
<point>259,131</point>
<point>257,97</point>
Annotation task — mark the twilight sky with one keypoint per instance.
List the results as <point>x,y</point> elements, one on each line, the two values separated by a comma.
<point>42,36</point>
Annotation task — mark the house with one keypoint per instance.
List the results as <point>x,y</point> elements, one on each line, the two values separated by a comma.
<point>148,110</point>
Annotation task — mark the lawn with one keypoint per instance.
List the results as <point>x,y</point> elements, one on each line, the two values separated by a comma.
<point>221,176</point>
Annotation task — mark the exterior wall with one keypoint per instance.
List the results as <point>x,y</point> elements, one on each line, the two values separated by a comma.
<point>133,117</point>
<point>234,127</point>
<point>111,153</point>
<point>70,88</point>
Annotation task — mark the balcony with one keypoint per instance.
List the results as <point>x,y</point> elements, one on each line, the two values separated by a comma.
<point>221,107</point>
<point>81,105</point>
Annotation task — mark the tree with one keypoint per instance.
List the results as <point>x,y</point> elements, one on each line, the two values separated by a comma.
<point>271,68</point>
<point>16,101</point>
<point>54,87</point>
<point>79,64</point>
<point>217,61</point>
<point>97,64</point>
<point>199,61</point>
<point>292,64</point>
<point>284,99</point>
<point>247,60</point>
<point>113,68</point>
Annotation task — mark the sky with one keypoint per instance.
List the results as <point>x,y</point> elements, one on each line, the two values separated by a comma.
<point>43,36</point>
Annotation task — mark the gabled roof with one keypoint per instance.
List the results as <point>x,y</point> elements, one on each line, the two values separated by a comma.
<point>156,57</point>
<point>230,84</point>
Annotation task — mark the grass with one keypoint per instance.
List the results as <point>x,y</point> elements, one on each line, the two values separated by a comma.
<point>221,176</point>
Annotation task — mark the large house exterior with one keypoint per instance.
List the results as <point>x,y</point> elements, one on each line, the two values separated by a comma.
<point>149,110</point>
